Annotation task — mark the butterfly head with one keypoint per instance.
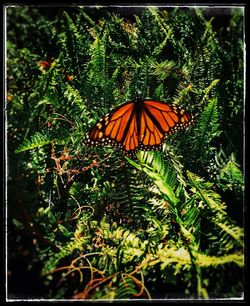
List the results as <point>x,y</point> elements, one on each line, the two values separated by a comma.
<point>138,99</point>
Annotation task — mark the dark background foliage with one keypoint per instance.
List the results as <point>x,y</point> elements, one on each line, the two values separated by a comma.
<point>165,224</point>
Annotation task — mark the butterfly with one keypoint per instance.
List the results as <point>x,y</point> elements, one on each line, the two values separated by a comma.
<point>138,125</point>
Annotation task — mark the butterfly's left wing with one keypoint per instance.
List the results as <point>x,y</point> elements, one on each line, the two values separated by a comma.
<point>118,128</point>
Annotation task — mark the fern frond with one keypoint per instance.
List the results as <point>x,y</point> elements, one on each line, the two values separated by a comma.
<point>163,69</point>
<point>235,232</point>
<point>39,140</point>
<point>181,258</point>
<point>126,288</point>
<point>159,180</point>
<point>231,177</point>
<point>214,261</point>
<point>202,191</point>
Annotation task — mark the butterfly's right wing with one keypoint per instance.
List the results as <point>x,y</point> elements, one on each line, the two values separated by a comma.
<point>158,120</point>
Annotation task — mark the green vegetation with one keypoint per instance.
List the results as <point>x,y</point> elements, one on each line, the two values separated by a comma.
<point>91,223</point>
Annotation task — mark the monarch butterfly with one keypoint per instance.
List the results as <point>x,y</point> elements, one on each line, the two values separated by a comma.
<point>139,124</point>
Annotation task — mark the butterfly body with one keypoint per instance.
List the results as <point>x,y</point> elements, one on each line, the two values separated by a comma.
<point>139,124</point>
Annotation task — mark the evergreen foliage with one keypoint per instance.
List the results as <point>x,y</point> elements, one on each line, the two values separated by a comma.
<point>90,222</point>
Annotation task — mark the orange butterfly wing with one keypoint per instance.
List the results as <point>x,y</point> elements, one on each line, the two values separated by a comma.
<point>118,128</point>
<point>158,120</point>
